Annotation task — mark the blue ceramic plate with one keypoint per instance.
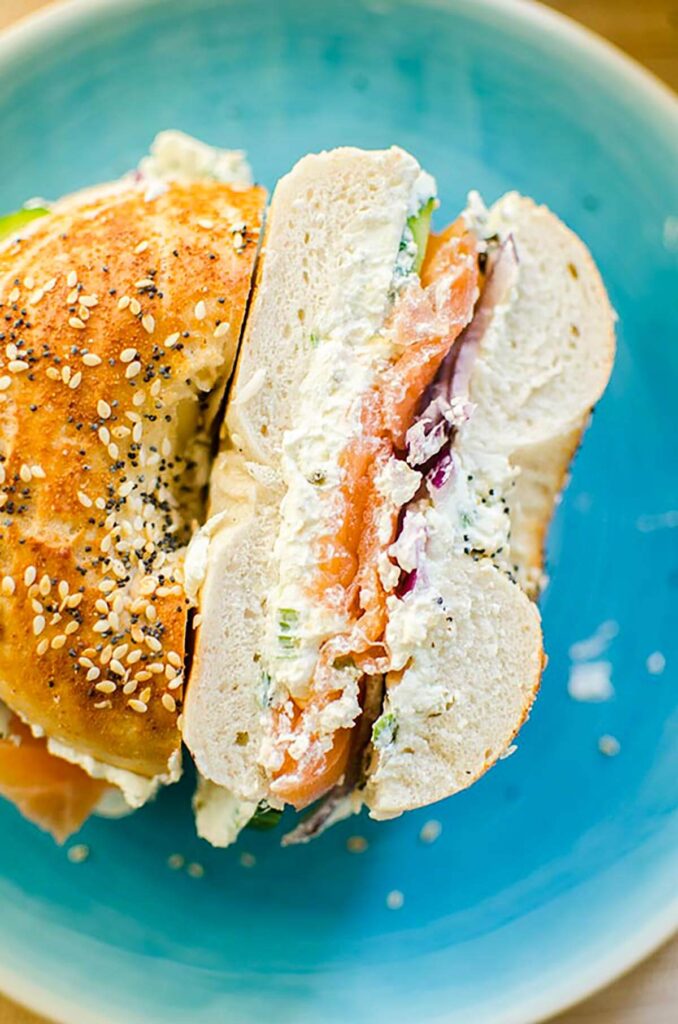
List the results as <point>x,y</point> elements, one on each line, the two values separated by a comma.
<point>558,870</point>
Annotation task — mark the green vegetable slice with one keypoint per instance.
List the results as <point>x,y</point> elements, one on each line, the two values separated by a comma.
<point>420,226</point>
<point>13,222</point>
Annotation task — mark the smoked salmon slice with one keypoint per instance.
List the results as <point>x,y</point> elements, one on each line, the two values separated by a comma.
<point>429,319</point>
<point>56,796</point>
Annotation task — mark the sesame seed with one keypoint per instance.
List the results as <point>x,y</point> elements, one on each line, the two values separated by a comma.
<point>74,600</point>
<point>153,644</point>
<point>139,398</point>
<point>176,861</point>
<point>65,374</point>
<point>72,279</point>
<point>77,323</point>
<point>38,625</point>
<point>134,307</point>
<point>52,373</point>
<point>5,382</point>
<point>14,295</point>
<point>89,301</point>
<point>127,355</point>
<point>72,297</point>
<point>137,433</point>
<point>126,489</point>
<point>25,473</point>
<point>38,473</point>
<point>36,297</point>
<point>117,667</point>
<point>84,499</point>
<point>72,627</point>
<point>609,746</point>
<point>30,575</point>
<point>91,359</point>
<point>79,853</point>
<point>104,435</point>
<point>29,281</point>
<point>42,647</point>
<point>395,899</point>
<point>113,450</point>
<point>174,658</point>
<point>155,387</point>
<point>133,657</point>
<point>200,310</point>
<point>148,323</point>
<point>75,380</point>
<point>130,687</point>
<point>137,705</point>
<point>100,705</point>
<point>85,662</point>
<point>238,241</point>
<point>430,831</point>
<point>106,686</point>
<point>171,339</point>
<point>17,365</point>
<point>175,684</point>
<point>123,301</point>
<point>133,369</point>
<point>58,642</point>
<point>120,651</point>
<point>141,247</point>
<point>145,695</point>
<point>222,329</point>
<point>8,586</point>
<point>37,606</point>
<point>45,585</point>
<point>50,285</point>
<point>205,222</point>
<point>103,409</point>
<point>100,626</point>
<point>143,676</point>
<point>168,702</point>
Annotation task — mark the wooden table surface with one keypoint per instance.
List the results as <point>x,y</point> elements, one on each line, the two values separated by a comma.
<point>648,30</point>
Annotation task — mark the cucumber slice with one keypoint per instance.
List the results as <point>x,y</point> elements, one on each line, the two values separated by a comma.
<point>420,226</point>
<point>11,223</point>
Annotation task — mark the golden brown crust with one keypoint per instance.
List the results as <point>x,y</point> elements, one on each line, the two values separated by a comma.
<point>116,313</point>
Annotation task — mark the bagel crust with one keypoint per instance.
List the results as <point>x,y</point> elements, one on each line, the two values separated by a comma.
<point>119,312</point>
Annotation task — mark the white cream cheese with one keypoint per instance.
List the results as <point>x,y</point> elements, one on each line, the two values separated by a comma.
<point>346,362</point>
<point>176,156</point>
<point>219,815</point>
<point>136,789</point>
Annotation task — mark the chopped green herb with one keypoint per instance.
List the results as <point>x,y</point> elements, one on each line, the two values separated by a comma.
<point>287,618</point>
<point>13,222</point>
<point>288,643</point>
<point>384,730</point>
<point>314,339</point>
<point>420,226</point>
<point>264,817</point>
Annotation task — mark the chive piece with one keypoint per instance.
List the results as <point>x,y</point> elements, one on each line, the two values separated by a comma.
<point>264,817</point>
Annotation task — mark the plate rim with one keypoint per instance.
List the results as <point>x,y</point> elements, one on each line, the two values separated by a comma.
<point>35,28</point>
